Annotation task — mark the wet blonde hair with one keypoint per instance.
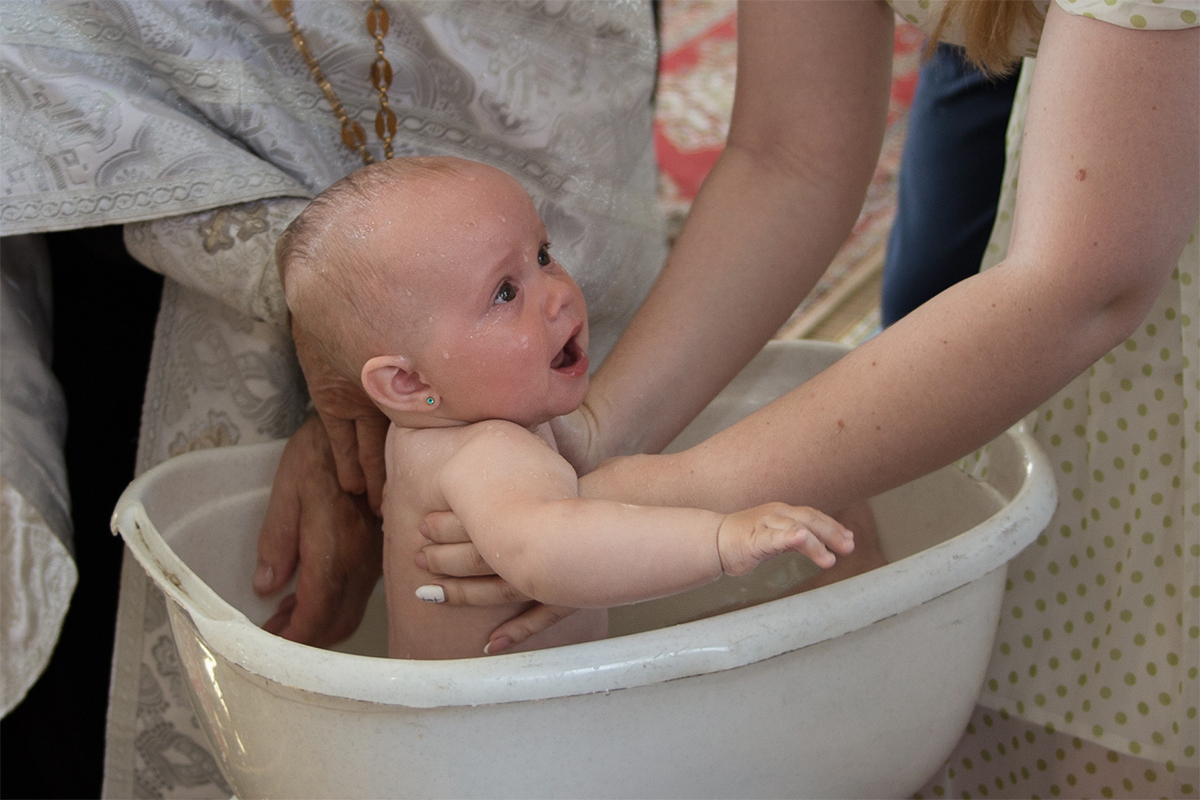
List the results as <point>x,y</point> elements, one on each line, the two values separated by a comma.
<point>988,27</point>
<point>330,274</point>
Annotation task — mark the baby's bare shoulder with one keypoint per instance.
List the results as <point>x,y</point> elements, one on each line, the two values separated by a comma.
<point>502,456</point>
<point>504,446</point>
<point>501,437</point>
<point>421,451</point>
<point>437,445</point>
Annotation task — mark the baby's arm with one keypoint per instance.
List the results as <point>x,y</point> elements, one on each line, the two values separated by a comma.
<point>519,499</point>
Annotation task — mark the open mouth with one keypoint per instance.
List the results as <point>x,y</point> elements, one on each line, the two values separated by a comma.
<point>571,359</point>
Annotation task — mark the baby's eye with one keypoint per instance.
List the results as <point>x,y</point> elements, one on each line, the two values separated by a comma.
<point>544,258</point>
<point>506,293</point>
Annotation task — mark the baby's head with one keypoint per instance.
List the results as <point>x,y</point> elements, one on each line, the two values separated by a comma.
<point>430,282</point>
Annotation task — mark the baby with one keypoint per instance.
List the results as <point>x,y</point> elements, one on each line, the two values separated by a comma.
<point>430,281</point>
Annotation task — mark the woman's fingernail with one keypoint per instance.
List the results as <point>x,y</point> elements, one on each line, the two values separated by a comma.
<point>496,645</point>
<point>431,593</point>
<point>422,562</point>
<point>423,529</point>
<point>264,578</point>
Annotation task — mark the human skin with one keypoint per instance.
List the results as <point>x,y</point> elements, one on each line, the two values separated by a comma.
<point>521,502</point>
<point>333,533</point>
<point>1099,226</point>
<point>1087,258</point>
<point>484,337</point>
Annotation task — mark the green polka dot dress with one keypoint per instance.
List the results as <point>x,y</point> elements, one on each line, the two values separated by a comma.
<point>1092,689</point>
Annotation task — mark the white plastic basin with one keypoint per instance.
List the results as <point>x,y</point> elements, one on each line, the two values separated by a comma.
<point>857,689</point>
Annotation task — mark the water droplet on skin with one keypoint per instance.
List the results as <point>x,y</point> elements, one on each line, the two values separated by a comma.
<point>445,354</point>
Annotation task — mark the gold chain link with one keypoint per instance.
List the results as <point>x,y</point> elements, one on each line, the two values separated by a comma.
<point>381,76</point>
<point>353,134</point>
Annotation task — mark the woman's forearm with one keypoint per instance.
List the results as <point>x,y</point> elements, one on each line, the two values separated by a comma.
<point>943,381</point>
<point>1108,194</point>
<point>779,202</point>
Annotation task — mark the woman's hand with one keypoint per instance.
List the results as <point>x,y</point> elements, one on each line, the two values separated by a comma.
<point>470,581</point>
<point>332,538</point>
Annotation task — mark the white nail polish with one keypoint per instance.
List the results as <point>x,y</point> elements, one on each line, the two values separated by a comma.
<point>431,593</point>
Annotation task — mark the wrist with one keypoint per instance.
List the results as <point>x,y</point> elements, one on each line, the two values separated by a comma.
<point>720,539</point>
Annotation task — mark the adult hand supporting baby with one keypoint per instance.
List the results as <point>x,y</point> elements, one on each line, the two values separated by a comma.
<point>332,537</point>
<point>356,428</point>
<point>322,519</point>
<point>451,553</point>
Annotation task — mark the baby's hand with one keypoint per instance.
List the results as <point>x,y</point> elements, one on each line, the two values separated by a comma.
<point>749,537</point>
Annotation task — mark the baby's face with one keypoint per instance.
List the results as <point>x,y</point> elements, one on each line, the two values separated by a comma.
<point>508,327</point>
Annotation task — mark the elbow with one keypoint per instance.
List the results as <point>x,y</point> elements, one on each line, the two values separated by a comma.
<point>514,563</point>
<point>1122,316</point>
<point>1107,315</point>
<point>1124,306</point>
<point>527,572</point>
<point>526,583</point>
<point>837,169</point>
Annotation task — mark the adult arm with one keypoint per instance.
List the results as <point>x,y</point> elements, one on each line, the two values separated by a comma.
<point>1107,196</point>
<point>808,121</point>
<point>315,527</point>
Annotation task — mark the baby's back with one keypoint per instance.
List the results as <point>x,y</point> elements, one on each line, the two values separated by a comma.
<point>419,629</point>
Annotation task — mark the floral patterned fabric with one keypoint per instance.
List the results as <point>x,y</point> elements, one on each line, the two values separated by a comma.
<point>199,126</point>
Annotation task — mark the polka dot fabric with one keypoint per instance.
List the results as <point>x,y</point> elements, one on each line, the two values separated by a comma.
<point>1000,756</point>
<point>1149,14</point>
<point>1092,690</point>
<point>1099,634</point>
<point>925,15</point>
<point>1136,13</point>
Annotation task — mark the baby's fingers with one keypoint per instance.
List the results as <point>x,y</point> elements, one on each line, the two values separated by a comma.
<point>809,532</point>
<point>833,534</point>
<point>750,537</point>
<point>776,534</point>
<point>802,540</point>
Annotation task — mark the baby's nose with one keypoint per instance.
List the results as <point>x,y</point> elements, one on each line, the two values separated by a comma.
<point>559,295</point>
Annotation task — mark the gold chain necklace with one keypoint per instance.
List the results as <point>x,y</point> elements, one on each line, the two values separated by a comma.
<point>381,78</point>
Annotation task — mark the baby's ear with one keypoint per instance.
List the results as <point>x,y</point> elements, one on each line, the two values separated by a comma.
<point>392,383</point>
